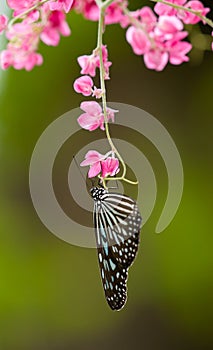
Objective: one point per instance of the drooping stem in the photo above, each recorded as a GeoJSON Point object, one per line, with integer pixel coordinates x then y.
{"type": "Point", "coordinates": [179, 7]}
{"type": "Point", "coordinates": [101, 24]}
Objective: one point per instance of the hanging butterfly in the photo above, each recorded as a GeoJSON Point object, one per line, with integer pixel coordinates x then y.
{"type": "Point", "coordinates": [117, 223]}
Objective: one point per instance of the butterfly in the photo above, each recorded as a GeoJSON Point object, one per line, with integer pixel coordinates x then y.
{"type": "Point", "coordinates": [117, 223]}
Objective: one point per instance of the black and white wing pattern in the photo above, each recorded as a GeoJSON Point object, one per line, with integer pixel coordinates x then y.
{"type": "Point", "coordinates": [117, 222]}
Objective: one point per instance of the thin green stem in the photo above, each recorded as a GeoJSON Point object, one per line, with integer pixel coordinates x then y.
{"type": "Point", "coordinates": [179, 7]}
{"type": "Point", "coordinates": [23, 14]}
{"type": "Point", "coordinates": [103, 88]}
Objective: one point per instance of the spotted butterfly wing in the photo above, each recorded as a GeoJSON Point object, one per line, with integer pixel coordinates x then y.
{"type": "Point", "coordinates": [117, 222]}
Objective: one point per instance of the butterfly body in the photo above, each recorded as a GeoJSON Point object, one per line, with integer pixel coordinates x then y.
{"type": "Point", "coordinates": [117, 222]}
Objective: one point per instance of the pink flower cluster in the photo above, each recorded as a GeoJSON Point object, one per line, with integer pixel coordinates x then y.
{"type": "Point", "coordinates": [93, 116]}
{"type": "Point", "coordinates": [100, 164]}
{"type": "Point", "coordinates": [160, 39]}
{"type": "Point", "coordinates": [46, 23]}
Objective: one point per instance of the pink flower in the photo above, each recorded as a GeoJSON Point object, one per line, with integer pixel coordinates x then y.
{"type": "Point", "coordinates": [177, 51]}
{"type": "Point", "coordinates": [83, 85]}
{"type": "Point", "coordinates": [110, 167]}
{"type": "Point", "coordinates": [93, 117]}
{"type": "Point", "coordinates": [167, 26]}
{"type": "Point", "coordinates": [190, 18]}
{"type": "Point", "coordinates": [97, 93]}
{"type": "Point", "coordinates": [99, 163]}
{"type": "Point", "coordinates": [114, 14]}
{"type": "Point", "coordinates": [138, 40]}
{"type": "Point", "coordinates": [148, 18]}
{"type": "Point", "coordinates": [89, 63]}
{"type": "Point", "coordinates": [61, 5]}
{"type": "Point", "coordinates": [55, 25]}
{"type": "Point", "coordinates": [156, 59]}
{"type": "Point", "coordinates": [93, 159]}
{"type": "Point", "coordinates": [3, 23]}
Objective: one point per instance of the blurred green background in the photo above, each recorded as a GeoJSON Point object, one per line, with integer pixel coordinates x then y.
{"type": "Point", "coordinates": [50, 292]}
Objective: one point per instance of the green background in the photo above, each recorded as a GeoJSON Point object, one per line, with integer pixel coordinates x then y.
{"type": "Point", "coordinates": [50, 292]}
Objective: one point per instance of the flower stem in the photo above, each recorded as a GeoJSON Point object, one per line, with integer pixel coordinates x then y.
{"type": "Point", "coordinates": [179, 7]}
{"type": "Point", "coordinates": [102, 8]}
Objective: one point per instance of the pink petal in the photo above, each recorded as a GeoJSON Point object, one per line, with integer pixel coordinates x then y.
{"type": "Point", "coordinates": [88, 64]}
{"type": "Point", "coordinates": [169, 24]}
{"type": "Point", "coordinates": [83, 85]}
{"type": "Point", "coordinates": [91, 107]}
{"type": "Point", "coordinates": [3, 23]}
{"type": "Point", "coordinates": [94, 170]}
{"type": "Point", "coordinates": [155, 59]}
{"type": "Point", "coordinates": [109, 166]}
{"type": "Point", "coordinates": [88, 122]}
{"type": "Point", "coordinates": [138, 40]}
{"type": "Point", "coordinates": [92, 157]}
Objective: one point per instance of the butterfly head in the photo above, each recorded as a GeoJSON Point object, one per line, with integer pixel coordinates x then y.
{"type": "Point", "coordinates": [97, 192]}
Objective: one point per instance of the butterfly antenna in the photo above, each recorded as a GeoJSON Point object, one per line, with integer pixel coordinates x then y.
{"type": "Point", "coordinates": [76, 163]}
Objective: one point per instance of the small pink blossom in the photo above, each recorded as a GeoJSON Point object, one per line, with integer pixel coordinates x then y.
{"type": "Point", "coordinates": [89, 63]}
{"type": "Point", "coordinates": [178, 51]}
{"type": "Point", "coordinates": [138, 40]}
{"type": "Point", "coordinates": [83, 85]}
{"type": "Point", "coordinates": [156, 59]}
{"type": "Point", "coordinates": [3, 23]}
{"type": "Point", "coordinates": [114, 13]}
{"type": "Point", "coordinates": [93, 117]}
{"type": "Point", "coordinates": [191, 18]}
{"type": "Point", "coordinates": [55, 25]}
{"type": "Point", "coordinates": [100, 163]}
{"type": "Point", "coordinates": [97, 93]}
{"type": "Point", "coordinates": [110, 167]}
{"type": "Point", "coordinates": [61, 5]}
{"type": "Point", "coordinates": [93, 159]}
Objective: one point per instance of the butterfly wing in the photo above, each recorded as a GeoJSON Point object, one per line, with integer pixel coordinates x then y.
{"type": "Point", "coordinates": [117, 222]}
